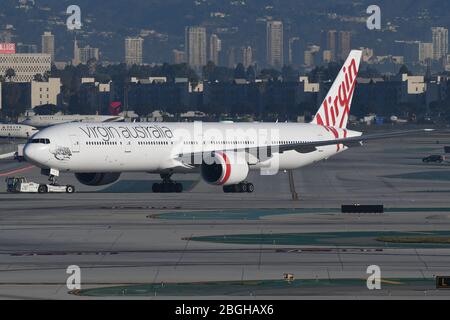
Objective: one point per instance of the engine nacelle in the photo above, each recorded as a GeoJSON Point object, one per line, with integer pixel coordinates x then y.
{"type": "Point", "coordinates": [225, 169]}
{"type": "Point", "coordinates": [97, 179]}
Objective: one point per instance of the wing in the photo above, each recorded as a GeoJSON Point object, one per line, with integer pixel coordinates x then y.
{"type": "Point", "coordinates": [349, 142]}
{"type": "Point", "coordinates": [186, 159]}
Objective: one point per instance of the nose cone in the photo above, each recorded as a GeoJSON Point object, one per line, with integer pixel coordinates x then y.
{"type": "Point", "coordinates": [37, 154]}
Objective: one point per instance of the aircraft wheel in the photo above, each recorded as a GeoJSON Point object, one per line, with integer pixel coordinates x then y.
{"type": "Point", "coordinates": [243, 188]}
{"type": "Point", "coordinates": [167, 188]}
{"type": "Point", "coordinates": [42, 189]}
{"type": "Point", "coordinates": [70, 189]}
{"type": "Point", "coordinates": [156, 188]}
{"type": "Point", "coordinates": [179, 188]}
{"type": "Point", "coordinates": [250, 188]}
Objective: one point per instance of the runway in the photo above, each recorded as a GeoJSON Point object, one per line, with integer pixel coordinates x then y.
{"type": "Point", "coordinates": [139, 238]}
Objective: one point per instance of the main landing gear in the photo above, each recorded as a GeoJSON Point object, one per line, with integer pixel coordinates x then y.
{"type": "Point", "coordinates": [167, 185]}
{"type": "Point", "coordinates": [243, 187]}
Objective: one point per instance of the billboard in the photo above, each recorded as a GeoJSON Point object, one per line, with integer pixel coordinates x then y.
{"type": "Point", "coordinates": [7, 48]}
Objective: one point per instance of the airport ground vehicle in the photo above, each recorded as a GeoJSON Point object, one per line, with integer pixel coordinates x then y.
{"type": "Point", "coordinates": [21, 185]}
{"type": "Point", "coordinates": [434, 159]}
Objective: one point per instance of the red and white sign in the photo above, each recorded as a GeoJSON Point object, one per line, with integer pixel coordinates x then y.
{"type": "Point", "coordinates": [7, 48]}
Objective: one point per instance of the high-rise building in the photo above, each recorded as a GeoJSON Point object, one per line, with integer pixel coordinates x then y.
{"type": "Point", "coordinates": [327, 56]}
{"type": "Point", "coordinates": [275, 44]}
{"type": "Point", "coordinates": [296, 52]}
{"type": "Point", "coordinates": [332, 44]}
{"type": "Point", "coordinates": [179, 56]}
{"type": "Point", "coordinates": [84, 55]}
{"type": "Point", "coordinates": [309, 59]}
{"type": "Point", "coordinates": [311, 56]}
{"type": "Point", "coordinates": [440, 43]}
{"type": "Point", "coordinates": [425, 52]}
{"type": "Point", "coordinates": [88, 53]}
{"type": "Point", "coordinates": [345, 44]}
{"type": "Point", "coordinates": [231, 57]}
{"type": "Point", "coordinates": [133, 51]}
{"type": "Point", "coordinates": [247, 56]}
{"type": "Point", "coordinates": [48, 44]}
{"type": "Point", "coordinates": [215, 47]}
{"type": "Point", "coordinates": [195, 46]}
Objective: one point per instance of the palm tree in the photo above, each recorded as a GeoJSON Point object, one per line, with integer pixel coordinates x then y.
{"type": "Point", "coordinates": [9, 74]}
{"type": "Point", "coordinates": [38, 77]}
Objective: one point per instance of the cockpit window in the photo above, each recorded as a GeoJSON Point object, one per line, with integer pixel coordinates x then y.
{"type": "Point", "coordinates": [40, 141]}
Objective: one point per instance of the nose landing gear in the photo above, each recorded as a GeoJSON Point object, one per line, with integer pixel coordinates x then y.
{"type": "Point", "coordinates": [243, 187]}
{"type": "Point", "coordinates": [167, 185]}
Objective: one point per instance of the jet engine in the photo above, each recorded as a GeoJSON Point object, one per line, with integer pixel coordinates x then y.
{"type": "Point", "coordinates": [97, 179]}
{"type": "Point", "coordinates": [225, 169]}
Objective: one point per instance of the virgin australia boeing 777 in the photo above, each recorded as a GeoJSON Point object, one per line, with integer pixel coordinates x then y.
{"type": "Point", "coordinates": [224, 153]}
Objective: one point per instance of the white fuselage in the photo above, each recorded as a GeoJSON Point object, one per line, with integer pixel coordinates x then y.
{"type": "Point", "coordinates": [47, 121]}
{"type": "Point", "coordinates": [16, 131]}
{"type": "Point", "coordinates": [156, 147]}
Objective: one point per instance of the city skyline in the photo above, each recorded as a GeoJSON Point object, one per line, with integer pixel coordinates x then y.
{"type": "Point", "coordinates": [160, 45]}
{"type": "Point", "coordinates": [201, 47]}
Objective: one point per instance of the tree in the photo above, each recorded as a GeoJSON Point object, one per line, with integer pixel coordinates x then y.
{"type": "Point", "coordinates": [46, 109]}
{"type": "Point", "coordinates": [209, 70]}
{"type": "Point", "coordinates": [404, 70]}
{"type": "Point", "coordinates": [270, 74]}
{"type": "Point", "coordinates": [15, 101]}
{"type": "Point", "coordinates": [92, 66]}
{"type": "Point", "coordinates": [251, 73]}
{"type": "Point", "coordinates": [370, 73]}
{"type": "Point", "coordinates": [239, 72]}
{"type": "Point", "coordinates": [289, 74]}
{"type": "Point", "coordinates": [38, 78]}
{"type": "Point", "coordinates": [329, 72]}
{"type": "Point", "coordinates": [9, 74]}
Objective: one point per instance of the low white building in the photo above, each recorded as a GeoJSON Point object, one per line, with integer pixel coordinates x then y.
{"type": "Point", "coordinates": [309, 87]}
{"type": "Point", "coordinates": [414, 84]}
{"type": "Point", "coordinates": [45, 92]}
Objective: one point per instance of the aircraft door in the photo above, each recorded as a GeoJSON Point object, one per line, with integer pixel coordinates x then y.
{"type": "Point", "coordinates": [75, 141]}
{"type": "Point", "coordinates": [128, 146]}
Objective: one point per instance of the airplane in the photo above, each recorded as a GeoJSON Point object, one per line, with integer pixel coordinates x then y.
{"type": "Point", "coordinates": [223, 153]}
{"type": "Point", "coordinates": [17, 131]}
{"type": "Point", "coordinates": [47, 121]}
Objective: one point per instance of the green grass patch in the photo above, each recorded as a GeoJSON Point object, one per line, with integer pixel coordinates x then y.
{"type": "Point", "coordinates": [243, 288]}
{"type": "Point", "coordinates": [433, 240]}
{"type": "Point", "coordinates": [332, 239]}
